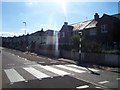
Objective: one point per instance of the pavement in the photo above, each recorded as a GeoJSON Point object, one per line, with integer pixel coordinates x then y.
{"type": "Point", "coordinates": [35, 57]}
{"type": "Point", "coordinates": [25, 70]}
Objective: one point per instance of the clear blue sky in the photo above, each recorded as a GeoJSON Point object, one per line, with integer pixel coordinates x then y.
{"type": "Point", "coordinates": [48, 15]}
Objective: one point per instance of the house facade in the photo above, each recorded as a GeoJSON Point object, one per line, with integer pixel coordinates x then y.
{"type": "Point", "coordinates": [31, 42]}
{"type": "Point", "coordinates": [65, 35]}
{"type": "Point", "coordinates": [100, 31]}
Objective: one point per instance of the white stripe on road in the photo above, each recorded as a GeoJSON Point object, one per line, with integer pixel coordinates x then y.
{"type": "Point", "coordinates": [117, 78]}
{"type": "Point", "coordinates": [36, 73]}
{"type": "Point", "coordinates": [81, 87]}
{"type": "Point", "coordinates": [13, 54]}
{"type": "Point", "coordinates": [53, 62]}
{"type": "Point", "coordinates": [41, 62]}
{"type": "Point", "coordinates": [13, 75]}
{"type": "Point", "coordinates": [97, 87]}
{"type": "Point", "coordinates": [71, 69]}
{"type": "Point", "coordinates": [54, 70]}
{"type": "Point", "coordinates": [82, 67]}
{"type": "Point", "coordinates": [103, 82]}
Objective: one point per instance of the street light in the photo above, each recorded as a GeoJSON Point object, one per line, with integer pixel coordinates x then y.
{"type": "Point", "coordinates": [25, 27]}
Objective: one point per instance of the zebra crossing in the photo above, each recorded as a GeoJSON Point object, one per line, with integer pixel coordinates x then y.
{"type": "Point", "coordinates": [40, 72]}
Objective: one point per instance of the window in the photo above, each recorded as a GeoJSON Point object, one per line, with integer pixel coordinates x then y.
{"type": "Point", "coordinates": [104, 28]}
{"type": "Point", "coordinates": [92, 32]}
{"type": "Point", "coordinates": [63, 34]}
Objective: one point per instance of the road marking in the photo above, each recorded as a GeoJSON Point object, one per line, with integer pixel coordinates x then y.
{"type": "Point", "coordinates": [27, 63]}
{"type": "Point", "coordinates": [13, 54]}
{"type": "Point", "coordinates": [53, 62]}
{"type": "Point", "coordinates": [81, 87]}
{"type": "Point", "coordinates": [90, 82]}
{"type": "Point", "coordinates": [117, 78]}
{"type": "Point", "coordinates": [97, 87]}
{"type": "Point", "coordinates": [38, 56]}
{"type": "Point", "coordinates": [13, 75]}
{"type": "Point", "coordinates": [36, 73]}
{"type": "Point", "coordinates": [41, 62]}
{"type": "Point", "coordinates": [49, 59]}
{"type": "Point", "coordinates": [71, 69]}
{"type": "Point", "coordinates": [103, 82]}
{"type": "Point", "coordinates": [25, 59]}
{"type": "Point", "coordinates": [82, 67]}
{"type": "Point", "coordinates": [54, 70]}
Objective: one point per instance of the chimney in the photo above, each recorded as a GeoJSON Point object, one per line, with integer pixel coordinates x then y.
{"type": "Point", "coordinates": [96, 16]}
{"type": "Point", "coordinates": [65, 23]}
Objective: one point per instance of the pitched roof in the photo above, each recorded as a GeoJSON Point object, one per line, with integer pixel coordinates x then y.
{"type": "Point", "coordinates": [92, 24]}
{"type": "Point", "coordinates": [117, 15]}
{"type": "Point", "coordinates": [80, 25]}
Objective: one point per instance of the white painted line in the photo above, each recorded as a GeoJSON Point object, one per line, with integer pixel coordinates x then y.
{"type": "Point", "coordinates": [71, 69]}
{"type": "Point", "coordinates": [81, 87]}
{"type": "Point", "coordinates": [36, 73]}
{"type": "Point", "coordinates": [97, 87]}
{"type": "Point", "coordinates": [27, 63]}
{"type": "Point", "coordinates": [13, 54]}
{"type": "Point", "coordinates": [25, 59]}
{"type": "Point", "coordinates": [49, 59]}
{"type": "Point", "coordinates": [13, 75]}
{"type": "Point", "coordinates": [103, 82]}
{"type": "Point", "coordinates": [54, 70]}
{"type": "Point", "coordinates": [82, 67]}
{"type": "Point", "coordinates": [22, 58]}
{"type": "Point", "coordinates": [117, 78]}
{"type": "Point", "coordinates": [41, 62]}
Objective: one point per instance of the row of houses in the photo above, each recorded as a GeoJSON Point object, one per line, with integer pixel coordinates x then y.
{"type": "Point", "coordinates": [99, 33]}
{"type": "Point", "coordinates": [32, 42]}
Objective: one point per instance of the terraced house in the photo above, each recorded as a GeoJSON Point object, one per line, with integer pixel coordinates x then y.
{"type": "Point", "coordinates": [100, 32]}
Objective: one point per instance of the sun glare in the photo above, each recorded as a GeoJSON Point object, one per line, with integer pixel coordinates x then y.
{"type": "Point", "coordinates": [62, 4]}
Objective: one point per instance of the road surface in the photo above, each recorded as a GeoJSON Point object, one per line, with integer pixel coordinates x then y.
{"type": "Point", "coordinates": [24, 70]}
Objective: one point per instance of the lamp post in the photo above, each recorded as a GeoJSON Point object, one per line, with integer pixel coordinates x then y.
{"type": "Point", "coordinates": [25, 40]}
{"type": "Point", "coordinates": [25, 27]}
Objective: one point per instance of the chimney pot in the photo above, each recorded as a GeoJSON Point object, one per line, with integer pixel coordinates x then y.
{"type": "Point", "coordinates": [65, 23]}
{"type": "Point", "coordinates": [96, 16]}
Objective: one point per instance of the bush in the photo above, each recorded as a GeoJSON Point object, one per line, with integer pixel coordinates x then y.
{"type": "Point", "coordinates": [111, 52]}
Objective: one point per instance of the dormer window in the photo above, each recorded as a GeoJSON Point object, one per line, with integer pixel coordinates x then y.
{"type": "Point", "coordinates": [104, 28]}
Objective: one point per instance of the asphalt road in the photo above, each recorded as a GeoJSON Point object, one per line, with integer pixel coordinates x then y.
{"type": "Point", "coordinates": [24, 70]}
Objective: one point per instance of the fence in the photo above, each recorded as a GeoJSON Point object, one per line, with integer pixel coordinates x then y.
{"type": "Point", "coordinates": [49, 53]}
{"type": "Point", "coordinates": [94, 58]}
